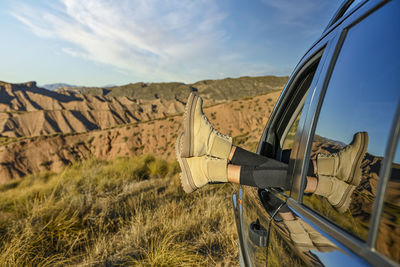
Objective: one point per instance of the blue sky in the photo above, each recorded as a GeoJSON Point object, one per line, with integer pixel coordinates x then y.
{"type": "Point", "coordinates": [102, 42]}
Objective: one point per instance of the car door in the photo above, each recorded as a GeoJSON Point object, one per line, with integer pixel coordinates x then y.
{"type": "Point", "coordinates": [296, 112]}
{"type": "Point", "coordinates": [357, 92]}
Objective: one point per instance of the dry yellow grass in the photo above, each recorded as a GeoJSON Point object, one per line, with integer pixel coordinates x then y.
{"type": "Point", "coordinates": [129, 211]}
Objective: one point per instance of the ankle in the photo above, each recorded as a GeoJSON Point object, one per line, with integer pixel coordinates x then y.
{"type": "Point", "coordinates": [311, 185]}
{"type": "Point", "coordinates": [230, 157]}
{"type": "Point", "coordinates": [324, 186]}
{"type": "Point", "coordinates": [234, 173]}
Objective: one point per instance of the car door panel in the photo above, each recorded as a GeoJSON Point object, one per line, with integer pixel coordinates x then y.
{"type": "Point", "coordinates": [254, 216]}
{"type": "Point", "coordinates": [320, 250]}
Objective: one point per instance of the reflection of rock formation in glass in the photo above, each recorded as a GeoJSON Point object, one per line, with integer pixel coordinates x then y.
{"type": "Point", "coordinates": [388, 241]}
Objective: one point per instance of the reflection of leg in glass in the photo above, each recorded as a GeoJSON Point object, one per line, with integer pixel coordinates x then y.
{"type": "Point", "coordinates": [297, 234]}
{"type": "Point", "coordinates": [339, 173]}
{"type": "Point", "coordinates": [303, 235]}
{"type": "Point", "coordinates": [338, 193]}
{"type": "Point", "coordinates": [345, 164]}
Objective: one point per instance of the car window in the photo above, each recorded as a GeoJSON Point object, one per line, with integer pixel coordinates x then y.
{"type": "Point", "coordinates": [288, 141]}
{"type": "Point", "coordinates": [388, 242]}
{"type": "Point", "coordinates": [354, 122]}
{"type": "Point", "coordinates": [290, 120]}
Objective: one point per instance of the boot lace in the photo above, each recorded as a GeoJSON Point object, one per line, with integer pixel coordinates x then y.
{"type": "Point", "coordinates": [331, 155]}
{"type": "Point", "coordinates": [225, 136]}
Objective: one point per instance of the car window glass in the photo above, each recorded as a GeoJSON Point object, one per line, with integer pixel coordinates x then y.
{"type": "Point", "coordinates": [354, 122]}
{"type": "Point", "coordinates": [288, 142]}
{"type": "Point", "coordinates": [290, 120]}
{"type": "Point", "coordinates": [388, 242]}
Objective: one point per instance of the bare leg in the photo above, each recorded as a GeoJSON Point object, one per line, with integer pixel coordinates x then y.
{"type": "Point", "coordinates": [311, 186]}
{"type": "Point", "coordinates": [314, 161]}
{"type": "Point", "coordinates": [287, 216]}
{"type": "Point", "coordinates": [234, 173]}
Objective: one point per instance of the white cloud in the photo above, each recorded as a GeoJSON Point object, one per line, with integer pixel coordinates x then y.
{"type": "Point", "coordinates": [150, 39]}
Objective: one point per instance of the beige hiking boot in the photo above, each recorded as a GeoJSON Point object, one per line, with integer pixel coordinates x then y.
{"type": "Point", "coordinates": [200, 137]}
{"type": "Point", "coordinates": [305, 237]}
{"type": "Point", "coordinates": [298, 235]}
{"type": "Point", "coordinates": [199, 171]}
{"type": "Point", "coordinates": [336, 191]}
{"type": "Point", "coordinates": [345, 164]}
{"type": "Point", "coordinates": [320, 242]}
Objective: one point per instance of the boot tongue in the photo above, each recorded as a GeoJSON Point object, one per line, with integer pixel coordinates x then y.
{"type": "Point", "coordinates": [217, 170]}
{"type": "Point", "coordinates": [219, 145]}
{"type": "Point", "coordinates": [327, 165]}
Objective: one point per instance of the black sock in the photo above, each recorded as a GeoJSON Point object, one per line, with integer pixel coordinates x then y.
{"type": "Point", "coordinates": [310, 171]}
{"type": "Point", "coordinates": [247, 158]}
{"type": "Point", "coordinates": [263, 177]}
{"type": "Point", "coordinates": [284, 208]}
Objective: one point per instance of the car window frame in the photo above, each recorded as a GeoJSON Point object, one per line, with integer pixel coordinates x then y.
{"type": "Point", "coordinates": [343, 12]}
{"type": "Point", "coordinates": [284, 102]}
{"type": "Point", "coordinates": [286, 106]}
{"type": "Point", "coordinates": [365, 250]}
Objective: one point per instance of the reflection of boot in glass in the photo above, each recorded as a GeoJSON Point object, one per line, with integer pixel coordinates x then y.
{"type": "Point", "coordinates": [196, 171]}
{"type": "Point", "coordinates": [345, 164]}
{"type": "Point", "coordinates": [336, 191]}
{"type": "Point", "coordinates": [321, 242]}
{"type": "Point", "coordinates": [298, 235]}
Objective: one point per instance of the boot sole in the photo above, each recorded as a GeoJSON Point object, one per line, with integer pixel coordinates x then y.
{"type": "Point", "coordinates": [355, 173]}
{"type": "Point", "coordinates": [188, 122]}
{"type": "Point", "coordinates": [344, 203]}
{"type": "Point", "coordinates": [185, 176]}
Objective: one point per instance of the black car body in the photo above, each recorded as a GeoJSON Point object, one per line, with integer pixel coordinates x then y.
{"type": "Point", "coordinates": [348, 81]}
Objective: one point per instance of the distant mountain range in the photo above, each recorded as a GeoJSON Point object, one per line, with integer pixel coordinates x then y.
{"type": "Point", "coordinates": [210, 90]}
{"type": "Point", "coordinates": [54, 86]}
{"type": "Point", "coordinates": [61, 86]}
